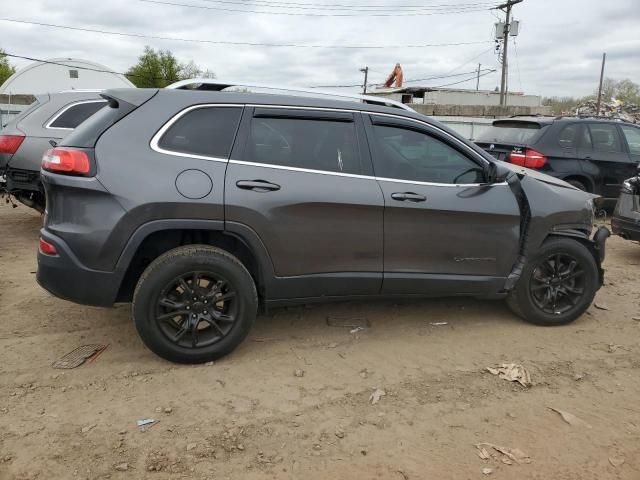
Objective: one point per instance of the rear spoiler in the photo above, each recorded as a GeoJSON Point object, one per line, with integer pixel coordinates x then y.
{"type": "Point", "coordinates": [122, 101]}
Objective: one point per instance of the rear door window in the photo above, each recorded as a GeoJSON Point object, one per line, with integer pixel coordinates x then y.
{"type": "Point", "coordinates": [202, 132]}
{"type": "Point", "coordinates": [511, 132]}
{"type": "Point", "coordinates": [605, 138]}
{"type": "Point", "coordinates": [632, 134]}
{"type": "Point", "coordinates": [569, 136]}
{"type": "Point", "coordinates": [327, 145]}
{"type": "Point", "coordinates": [74, 115]}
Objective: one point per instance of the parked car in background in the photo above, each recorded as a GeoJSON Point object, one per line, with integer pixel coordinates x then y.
{"type": "Point", "coordinates": [210, 203]}
{"type": "Point", "coordinates": [626, 215]}
{"type": "Point", "coordinates": [593, 154]}
{"type": "Point", "coordinates": [25, 138]}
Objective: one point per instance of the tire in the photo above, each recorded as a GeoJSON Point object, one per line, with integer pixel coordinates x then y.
{"type": "Point", "coordinates": [194, 304]}
{"type": "Point", "coordinates": [528, 298]}
{"type": "Point", "coordinates": [578, 184]}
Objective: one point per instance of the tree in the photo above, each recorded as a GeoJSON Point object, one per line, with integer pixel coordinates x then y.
{"type": "Point", "coordinates": [628, 91]}
{"type": "Point", "coordinates": [161, 68]}
{"type": "Point", "coordinates": [6, 69]}
{"type": "Point", "coordinates": [625, 90]}
{"type": "Point", "coordinates": [154, 69]}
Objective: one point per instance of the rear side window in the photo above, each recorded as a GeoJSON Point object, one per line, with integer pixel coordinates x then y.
{"type": "Point", "coordinates": [511, 132]}
{"type": "Point", "coordinates": [302, 143]}
{"type": "Point", "coordinates": [632, 135]}
{"type": "Point", "coordinates": [74, 115]}
{"type": "Point", "coordinates": [604, 138]}
{"type": "Point", "coordinates": [569, 136]}
{"type": "Point", "coordinates": [206, 131]}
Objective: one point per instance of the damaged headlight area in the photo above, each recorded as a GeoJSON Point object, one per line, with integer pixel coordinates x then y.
{"type": "Point", "coordinates": [631, 186]}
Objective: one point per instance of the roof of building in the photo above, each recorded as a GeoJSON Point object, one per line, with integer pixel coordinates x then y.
{"type": "Point", "coordinates": [53, 75]}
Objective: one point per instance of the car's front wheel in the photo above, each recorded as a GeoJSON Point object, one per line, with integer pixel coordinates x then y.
{"type": "Point", "coordinates": [194, 304]}
{"type": "Point", "coordinates": [557, 284]}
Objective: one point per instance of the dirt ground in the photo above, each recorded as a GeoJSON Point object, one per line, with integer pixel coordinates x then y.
{"type": "Point", "coordinates": [250, 416]}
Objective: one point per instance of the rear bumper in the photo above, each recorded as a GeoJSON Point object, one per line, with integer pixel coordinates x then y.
{"type": "Point", "coordinates": [626, 217]}
{"type": "Point", "coordinates": [626, 228]}
{"type": "Point", "coordinates": [21, 179]}
{"type": "Point", "coordinates": [64, 276]}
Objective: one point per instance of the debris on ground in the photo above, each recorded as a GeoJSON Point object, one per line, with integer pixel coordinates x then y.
{"type": "Point", "coordinates": [612, 347]}
{"type": "Point", "coordinates": [349, 322]}
{"type": "Point", "coordinates": [628, 112]}
{"type": "Point", "coordinates": [510, 455]}
{"type": "Point", "coordinates": [122, 467]}
{"type": "Point", "coordinates": [339, 432]}
{"type": "Point", "coordinates": [570, 418]}
{"type": "Point", "coordinates": [438, 324]}
{"type": "Point", "coordinates": [637, 319]}
{"type": "Point", "coordinates": [376, 395]}
{"type": "Point", "coordinates": [356, 330]}
{"type": "Point", "coordinates": [512, 372]}
{"type": "Point", "coordinates": [145, 421]}
{"type": "Point", "coordinates": [88, 428]}
{"type": "Point", "coordinates": [77, 357]}
{"type": "Point", "coordinates": [168, 410]}
{"type": "Point", "coordinates": [616, 461]}
{"type": "Point", "coordinates": [191, 446]}
{"type": "Point", "coordinates": [487, 471]}
{"type": "Point", "coordinates": [600, 306]}
{"type": "Point", "coordinates": [298, 373]}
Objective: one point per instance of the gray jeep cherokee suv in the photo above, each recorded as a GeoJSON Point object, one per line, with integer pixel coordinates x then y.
{"type": "Point", "coordinates": [199, 206]}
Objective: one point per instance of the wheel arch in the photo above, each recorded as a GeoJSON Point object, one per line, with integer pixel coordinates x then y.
{"type": "Point", "coordinates": [585, 180]}
{"type": "Point", "coordinates": [155, 238]}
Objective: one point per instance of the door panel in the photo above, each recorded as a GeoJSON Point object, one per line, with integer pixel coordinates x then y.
{"type": "Point", "coordinates": [322, 228]}
{"type": "Point", "coordinates": [605, 159]}
{"type": "Point", "coordinates": [444, 233]}
{"type": "Point", "coordinates": [459, 230]}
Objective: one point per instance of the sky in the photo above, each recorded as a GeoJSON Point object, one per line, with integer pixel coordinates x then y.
{"type": "Point", "coordinates": [557, 53]}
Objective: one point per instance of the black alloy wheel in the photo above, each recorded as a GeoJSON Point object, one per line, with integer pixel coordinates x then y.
{"type": "Point", "coordinates": [197, 309]}
{"type": "Point", "coordinates": [557, 284]}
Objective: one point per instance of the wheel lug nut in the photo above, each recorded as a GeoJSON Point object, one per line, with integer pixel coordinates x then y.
{"type": "Point", "coordinates": [205, 302]}
{"type": "Point", "coordinates": [205, 312]}
{"type": "Point", "coordinates": [188, 308]}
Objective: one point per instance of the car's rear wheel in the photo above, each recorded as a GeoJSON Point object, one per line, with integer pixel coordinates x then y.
{"type": "Point", "coordinates": [578, 184]}
{"type": "Point", "coordinates": [557, 285]}
{"type": "Point", "coordinates": [194, 304]}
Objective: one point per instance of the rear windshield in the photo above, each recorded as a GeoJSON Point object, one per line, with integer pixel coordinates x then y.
{"type": "Point", "coordinates": [511, 132]}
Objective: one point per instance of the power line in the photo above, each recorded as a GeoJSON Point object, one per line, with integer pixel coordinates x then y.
{"type": "Point", "coordinates": [351, 7]}
{"type": "Point", "coordinates": [449, 76]}
{"type": "Point", "coordinates": [76, 67]}
{"type": "Point", "coordinates": [222, 42]}
{"type": "Point", "coordinates": [422, 14]}
{"type": "Point", "coordinates": [463, 81]}
{"type": "Point", "coordinates": [434, 77]}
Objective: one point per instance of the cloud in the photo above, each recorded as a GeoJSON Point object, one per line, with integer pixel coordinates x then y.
{"type": "Point", "coordinates": [557, 52]}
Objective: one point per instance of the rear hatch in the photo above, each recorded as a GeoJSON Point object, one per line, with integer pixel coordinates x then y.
{"type": "Point", "coordinates": [509, 135]}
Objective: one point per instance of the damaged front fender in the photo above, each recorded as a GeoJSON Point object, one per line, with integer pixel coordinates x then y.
{"type": "Point", "coordinates": [551, 207]}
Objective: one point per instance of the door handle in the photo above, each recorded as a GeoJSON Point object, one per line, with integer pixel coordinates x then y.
{"type": "Point", "coordinates": [257, 185]}
{"type": "Point", "coordinates": [408, 197]}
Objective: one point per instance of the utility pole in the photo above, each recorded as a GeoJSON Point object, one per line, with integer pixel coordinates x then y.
{"type": "Point", "coordinates": [365, 70]}
{"type": "Point", "coordinates": [604, 57]}
{"type": "Point", "coordinates": [505, 63]}
{"type": "Point", "coordinates": [478, 79]}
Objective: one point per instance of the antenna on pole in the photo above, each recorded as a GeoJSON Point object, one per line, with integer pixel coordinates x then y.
{"type": "Point", "coordinates": [604, 58]}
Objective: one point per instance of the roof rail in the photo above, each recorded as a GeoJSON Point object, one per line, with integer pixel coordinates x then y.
{"type": "Point", "coordinates": [218, 85]}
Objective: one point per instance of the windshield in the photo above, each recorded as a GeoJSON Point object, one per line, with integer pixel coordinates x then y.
{"type": "Point", "coordinates": [511, 132]}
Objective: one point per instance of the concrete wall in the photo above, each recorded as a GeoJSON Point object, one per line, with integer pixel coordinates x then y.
{"type": "Point", "coordinates": [490, 111]}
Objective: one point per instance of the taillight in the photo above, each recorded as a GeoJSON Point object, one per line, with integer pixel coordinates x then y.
{"type": "Point", "coordinates": [530, 158]}
{"type": "Point", "coordinates": [47, 248]}
{"type": "Point", "coordinates": [69, 161]}
{"type": "Point", "coordinates": [10, 143]}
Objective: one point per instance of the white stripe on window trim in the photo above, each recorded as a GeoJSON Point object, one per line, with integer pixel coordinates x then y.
{"type": "Point", "coordinates": [156, 138]}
